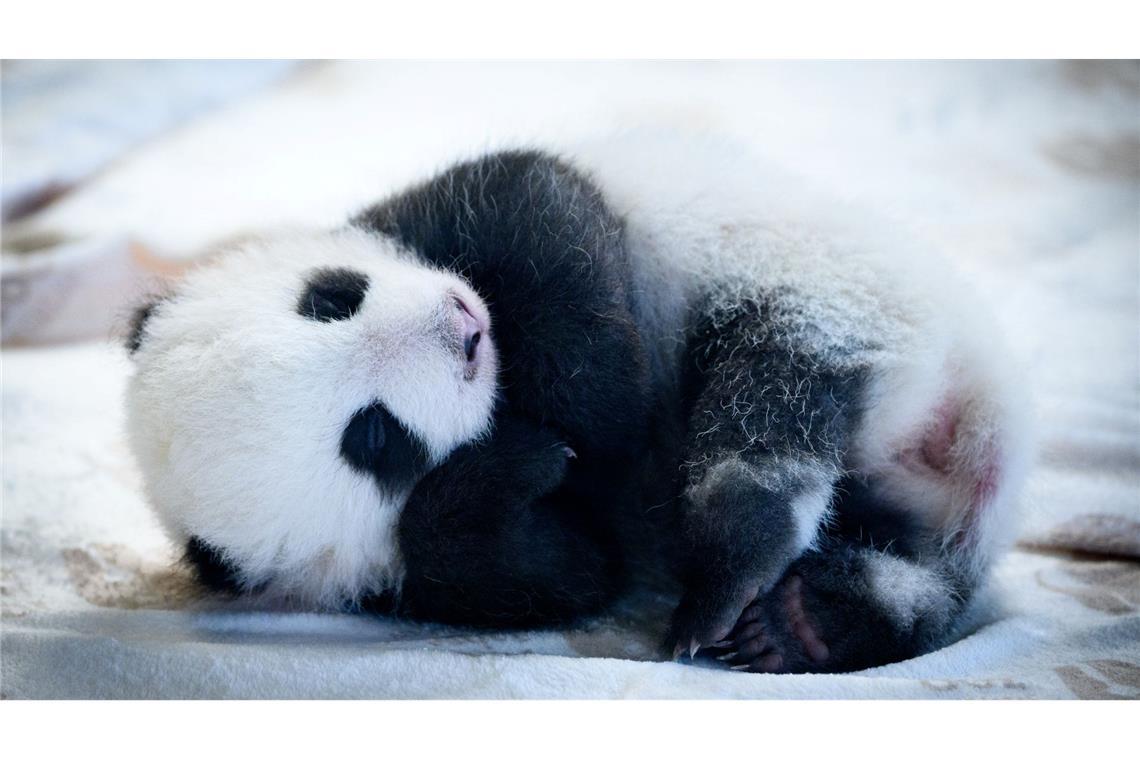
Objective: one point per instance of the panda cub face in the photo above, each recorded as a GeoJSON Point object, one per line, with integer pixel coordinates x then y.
{"type": "Point", "coordinates": [289, 396]}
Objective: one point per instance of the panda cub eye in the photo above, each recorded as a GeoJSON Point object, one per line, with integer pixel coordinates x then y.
{"type": "Point", "coordinates": [376, 443]}
{"type": "Point", "coordinates": [332, 294]}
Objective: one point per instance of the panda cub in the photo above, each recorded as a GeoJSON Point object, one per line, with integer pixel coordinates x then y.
{"type": "Point", "coordinates": [499, 396]}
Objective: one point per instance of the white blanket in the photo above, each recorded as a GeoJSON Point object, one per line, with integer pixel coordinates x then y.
{"type": "Point", "coordinates": [1029, 174]}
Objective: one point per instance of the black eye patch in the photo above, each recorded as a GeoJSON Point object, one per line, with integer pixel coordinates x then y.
{"type": "Point", "coordinates": [377, 443]}
{"type": "Point", "coordinates": [332, 293]}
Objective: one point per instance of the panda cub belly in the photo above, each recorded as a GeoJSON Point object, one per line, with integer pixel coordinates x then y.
{"type": "Point", "coordinates": [463, 407]}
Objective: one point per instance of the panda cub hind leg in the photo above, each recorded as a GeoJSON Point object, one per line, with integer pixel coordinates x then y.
{"type": "Point", "coordinates": [908, 542]}
{"type": "Point", "coordinates": [875, 589]}
{"type": "Point", "coordinates": [766, 430]}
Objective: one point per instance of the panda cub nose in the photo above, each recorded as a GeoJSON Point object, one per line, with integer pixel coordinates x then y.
{"type": "Point", "coordinates": [470, 342]}
{"type": "Point", "coordinates": [471, 331]}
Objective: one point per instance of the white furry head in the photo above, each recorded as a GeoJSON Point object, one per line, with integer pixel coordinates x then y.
{"type": "Point", "coordinates": [249, 377]}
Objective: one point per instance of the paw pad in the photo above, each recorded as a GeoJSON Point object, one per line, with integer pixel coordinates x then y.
{"type": "Point", "coordinates": [774, 634]}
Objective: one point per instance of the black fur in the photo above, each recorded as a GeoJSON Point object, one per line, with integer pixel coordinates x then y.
{"type": "Point", "coordinates": [491, 539]}
{"type": "Point", "coordinates": [376, 443]}
{"type": "Point", "coordinates": [858, 631]}
{"type": "Point", "coordinates": [746, 382]}
{"type": "Point", "coordinates": [211, 568]}
{"type": "Point", "coordinates": [860, 518]}
{"type": "Point", "coordinates": [136, 328]}
{"type": "Point", "coordinates": [332, 294]}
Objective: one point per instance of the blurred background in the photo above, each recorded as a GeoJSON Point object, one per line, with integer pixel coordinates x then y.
{"type": "Point", "coordinates": [137, 163]}
{"type": "Point", "coordinates": [118, 174]}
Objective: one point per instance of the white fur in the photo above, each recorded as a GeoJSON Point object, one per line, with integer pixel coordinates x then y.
{"type": "Point", "coordinates": [238, 405]}
{"type": "Point", "coordinates": [905, 590]}
{"type": "Point", "coordinates": [810, 511]}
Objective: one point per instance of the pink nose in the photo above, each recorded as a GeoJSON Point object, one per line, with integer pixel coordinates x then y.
{"type": "Point", "coordinates": [472, 331]}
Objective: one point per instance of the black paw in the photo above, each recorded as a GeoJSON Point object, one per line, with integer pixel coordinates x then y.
{"type": "Point", "coordinates": [707, 614]}
{"type": "Point", "coordinates": [777, 634]}
{"type": "Point", "coordinates": [491, 536]}
{"type": "Point", "coordinates": [820, 618]}
{"type": "Point", "coordinates": [528, 461]}
{"type": "Point", "coordinates": [741, 536]}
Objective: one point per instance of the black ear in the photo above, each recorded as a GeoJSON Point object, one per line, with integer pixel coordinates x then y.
{"type": "Point", "coordinates": [211, 567]}
{"type": "Point", "coordinates": [139, 318]}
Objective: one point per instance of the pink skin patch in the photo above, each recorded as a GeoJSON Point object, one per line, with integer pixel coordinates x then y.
{"type": "Point", "coordinates": [801, 627]}
{"type": "Point", "coordinates": [939, 441]}
{"type": "Point", "coordinates": [933, 454]}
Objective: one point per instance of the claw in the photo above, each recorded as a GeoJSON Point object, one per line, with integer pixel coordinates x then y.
{"type": "Point", "coordinates": [694, 647]}
{"type": "Point", "coordinates": [722, 644]}
{"type": "Point", "coordinates": [678, 651]}
{"type": "Point", "coordinates": [726, 657]}
{"type": "Point", "coordinates": [745, 666]}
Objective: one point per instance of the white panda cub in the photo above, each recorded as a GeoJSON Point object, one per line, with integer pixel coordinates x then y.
{"type": "Point", "coordinates": [485, 397]}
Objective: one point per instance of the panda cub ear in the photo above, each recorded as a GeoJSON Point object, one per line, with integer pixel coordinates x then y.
{"type": "Point", "coordinates": [136, 328]}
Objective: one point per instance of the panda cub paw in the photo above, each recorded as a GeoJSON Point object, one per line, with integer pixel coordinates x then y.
{"type": "Point", "coordinates": [826, 616]}
{"type": "Point", "coordinates": [535, 459]}
{"type": "Point", "coordinates": [777, 634]}
{"type": "Point", "coordinates": [707, 613]}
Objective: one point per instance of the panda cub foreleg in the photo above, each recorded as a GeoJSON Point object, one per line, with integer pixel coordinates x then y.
{"type": "Point", "coordinates": [494, 538]}
{"type": "Point", "coordinates": [766, 429]}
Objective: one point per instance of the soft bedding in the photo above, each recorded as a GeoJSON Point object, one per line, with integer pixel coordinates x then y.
{"type": "Point", "coordinates": [1027, 174]}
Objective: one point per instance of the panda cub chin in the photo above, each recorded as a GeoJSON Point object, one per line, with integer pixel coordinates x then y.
{"type": "Point", "coordinates": [503, 395]}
